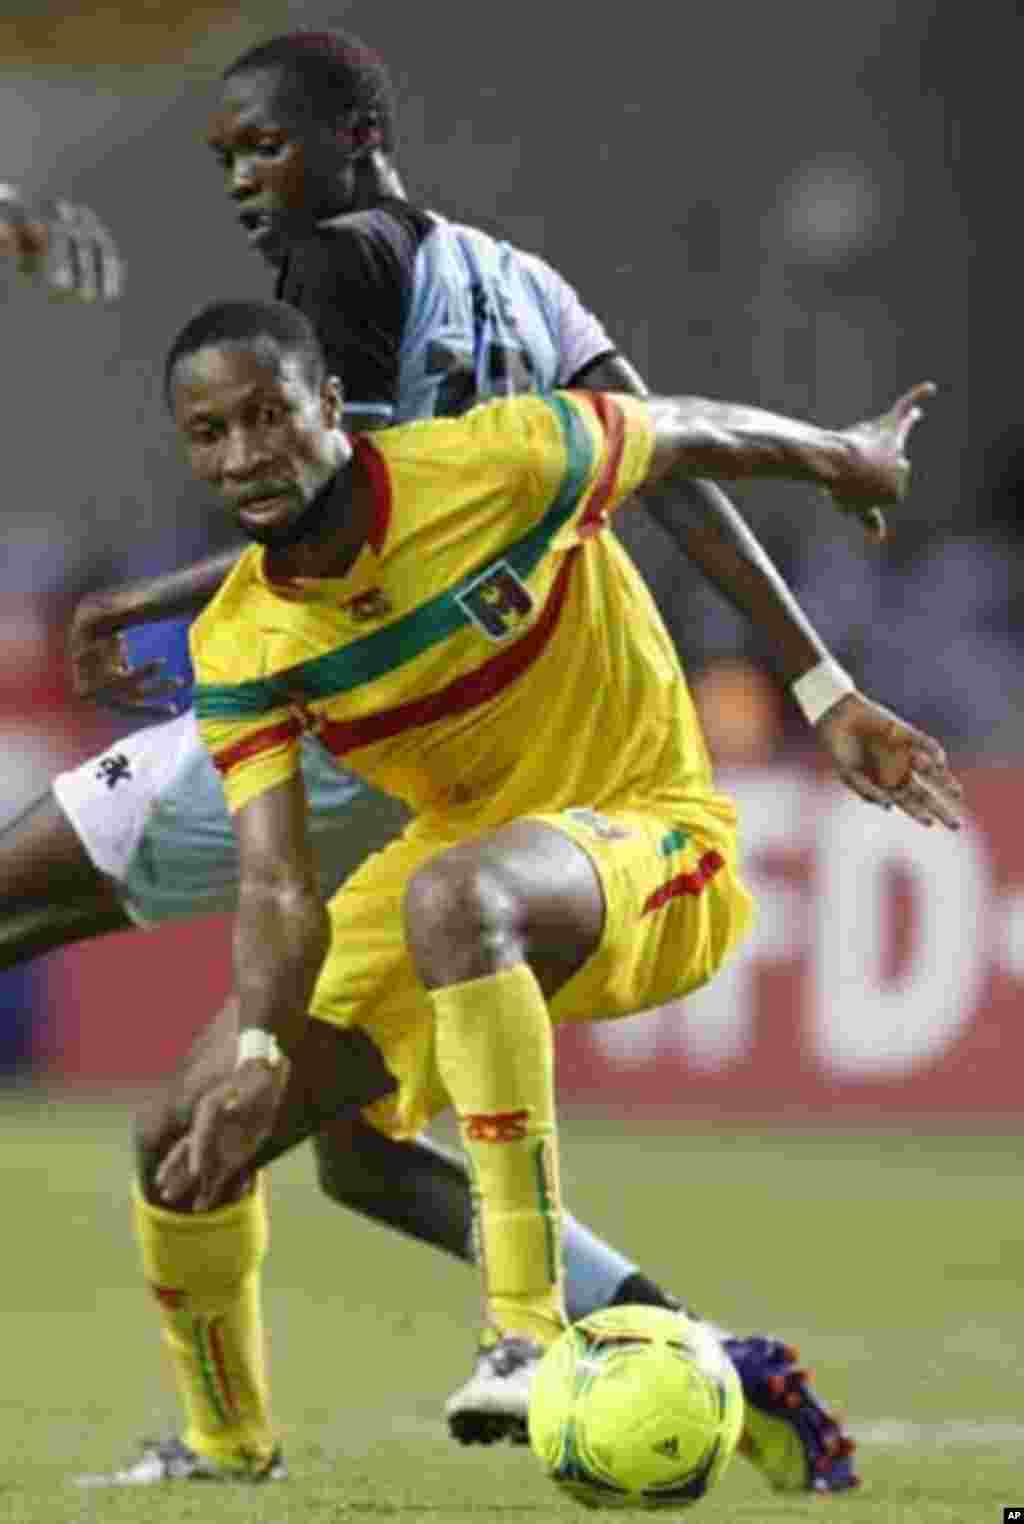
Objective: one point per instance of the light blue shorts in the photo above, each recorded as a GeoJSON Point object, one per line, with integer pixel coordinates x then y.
{"type": "Point", "coordinates": [151, 814]}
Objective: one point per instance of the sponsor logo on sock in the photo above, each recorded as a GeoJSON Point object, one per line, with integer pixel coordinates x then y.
{"type": "Point", "coordinates": [495, 1126]}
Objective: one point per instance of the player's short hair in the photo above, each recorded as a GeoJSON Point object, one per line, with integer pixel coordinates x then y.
{"type": "Point", "coordinates": [247, 322]}
{"type": "Point", "coordinates": [335, 73]}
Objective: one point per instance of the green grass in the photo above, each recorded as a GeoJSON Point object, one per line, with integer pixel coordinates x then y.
{"type": "Point", "coordinates": [897, 1263]}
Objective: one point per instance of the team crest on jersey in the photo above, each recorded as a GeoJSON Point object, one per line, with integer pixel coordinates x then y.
{"type": "Point", "coordinates": [497, 602]}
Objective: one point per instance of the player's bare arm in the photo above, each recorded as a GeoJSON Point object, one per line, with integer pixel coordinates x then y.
{"type": "Point", "coordinates": [97, 655]}
{"type": "Point", "coordinates": [64, 247]}
{"type": "Point", "coordinates": [281, 936]}
{"type": "Point", "coordinates": [876, 754]}
{"type": "Point", "coordinates": [864, 468]}
{"type": "Point", "coordinates": [711, 532]}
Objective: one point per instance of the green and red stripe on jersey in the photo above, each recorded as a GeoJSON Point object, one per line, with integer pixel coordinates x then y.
{"type": "Point", "coordinates": [381, 653]}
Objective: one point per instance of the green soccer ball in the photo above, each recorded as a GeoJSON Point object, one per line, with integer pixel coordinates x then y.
{"type": "Point", "coordinates": [635, 1407]}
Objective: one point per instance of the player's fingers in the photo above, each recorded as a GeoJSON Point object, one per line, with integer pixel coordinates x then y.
{"type": "Point", "coordinates": [924, 801]}
{"type": "Point", "coordinates": [83, 261]}
{"type": "Point", "coordinates": [102, 268]}
{"type": "Point", "coordinates": [160, 685]}
{"type": "Point", "coordinates": [869, 791]}
{"type": "Point", "coordinates": [150, 677]}
{"type": "Point", "coordinates": [172, 1178]}
{"type": "Point", "coordinates": [930, 759]}
{"type": "Point", "coordinates": [908, 804]}
{"type": "Point", "coordinates": [209, 1194]}
{"type": "Point", "coordinates": [202, 1138]}
{"type": "Point", "coordinates": [940, 798]}
{"type": "Point", "coordinates": [911, 401]}
{"type": "Point", "coordinates": [873, 520]}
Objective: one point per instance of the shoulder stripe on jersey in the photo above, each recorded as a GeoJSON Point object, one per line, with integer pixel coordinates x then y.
{"type": "Point", "coordinates": [380, 482]}
{"type": "Point", "coordinates": [613, 422]}
{"type": "Point", "coordinates": [467, 692]}
{"type": "Point", "coordinates": [256, 743]}
{"type": "Point", "coordinates": [364, 661]}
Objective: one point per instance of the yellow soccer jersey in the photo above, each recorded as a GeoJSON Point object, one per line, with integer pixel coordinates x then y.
{"type": "Point", "coordinates": [491, 653]}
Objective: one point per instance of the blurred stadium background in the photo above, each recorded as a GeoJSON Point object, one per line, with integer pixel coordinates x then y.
{"type": "Point", "coordinates": [795, 204]}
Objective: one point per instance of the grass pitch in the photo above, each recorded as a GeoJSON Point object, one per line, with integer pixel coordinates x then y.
{"type": "Point", "coordinates": [895, 1262]}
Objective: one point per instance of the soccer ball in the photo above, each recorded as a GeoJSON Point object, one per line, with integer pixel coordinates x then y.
{"type": "Point", "coordinates": [635, 1407]}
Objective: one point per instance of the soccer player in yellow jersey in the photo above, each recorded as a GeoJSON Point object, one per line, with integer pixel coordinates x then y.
{"type": "Point", "coordinates": [441, 607]}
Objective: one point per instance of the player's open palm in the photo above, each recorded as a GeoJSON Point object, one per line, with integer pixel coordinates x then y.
{"type": "Point", "coordinates": [101, 672]}
{"type": "Point", "coordinates": [229, 1125]}
{"type": "Point", "coordinates": [876, 472]}
{"type": "Point", "coordinates": [887, 761]}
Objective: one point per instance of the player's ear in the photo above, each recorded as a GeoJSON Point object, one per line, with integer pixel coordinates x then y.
{"type": "Point", "coordinates": [332, 402]}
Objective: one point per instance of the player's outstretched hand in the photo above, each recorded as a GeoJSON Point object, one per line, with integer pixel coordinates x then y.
{"type": "Point", "coordinates": [101, 672]}
{"type": "Point", "coordinates": [876, 472]}
{"type": "Point", "coordinates": [229, 1125]}
{"type": "Point", "coordinates": [63, 246]}
{"type": "Point", "coordinates": [888, 762]}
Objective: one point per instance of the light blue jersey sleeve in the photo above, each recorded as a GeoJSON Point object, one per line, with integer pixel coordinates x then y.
{"type": "Point", "coordinates": [486, 320]}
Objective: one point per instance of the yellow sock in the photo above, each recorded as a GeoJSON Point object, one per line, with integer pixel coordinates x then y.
{"type": "Point", "coordinates": [496, 1059]}
{"type": "Point", "coordinates": [204, 1270]}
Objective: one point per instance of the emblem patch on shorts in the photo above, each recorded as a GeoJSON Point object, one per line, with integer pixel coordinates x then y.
{"type": "Point", "coordinates": [608, 830]}
{"type": "Point", "coordinates": [497, 602]}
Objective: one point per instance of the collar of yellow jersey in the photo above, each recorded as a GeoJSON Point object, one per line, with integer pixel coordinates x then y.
{"type": "Point", "coordinates": [362, 577]}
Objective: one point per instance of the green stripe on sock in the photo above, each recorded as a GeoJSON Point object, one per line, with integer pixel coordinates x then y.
{"type": "Point", "coordinates": [547, 1208]}
{"type": "Point", "coordinates": [207, 1371]}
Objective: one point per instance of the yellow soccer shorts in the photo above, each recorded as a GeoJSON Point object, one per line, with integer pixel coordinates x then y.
{"type": "Point", "coordinates": [674, 909]}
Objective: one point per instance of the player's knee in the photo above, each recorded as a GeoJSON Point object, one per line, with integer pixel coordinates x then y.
{"type": "Point", "coordinates": [463, 906]}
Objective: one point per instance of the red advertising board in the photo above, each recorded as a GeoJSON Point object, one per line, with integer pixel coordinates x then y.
{"type": "Point", "coordinates": [885, 974]}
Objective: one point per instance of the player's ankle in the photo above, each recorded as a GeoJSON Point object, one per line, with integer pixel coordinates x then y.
{"type": "Point", "coordinates": [515, 1319]}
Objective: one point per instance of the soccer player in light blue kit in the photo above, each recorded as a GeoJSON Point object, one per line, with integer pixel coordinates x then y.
{"type": "Point", "coordinates": [421, 317]}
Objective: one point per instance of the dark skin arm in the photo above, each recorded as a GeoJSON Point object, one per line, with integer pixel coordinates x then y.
{"type": "Point", "coordinates": [860, 467]}
{"type": "Point", "coordinates": [281, 929]}
{"type": "Point", "coordinates": [703, 524]}
{"type": "Point", "coordinates": [281, 937]}
{"type": "Point", "coordinates": [877, 755]}
{"type": "Point", "coordinates": [725, 439]}
{"type": "Point", "coordinates": [97, 655]}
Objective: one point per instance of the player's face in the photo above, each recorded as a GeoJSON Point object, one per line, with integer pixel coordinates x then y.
{"type": "Point", "coordinates": [284, 171]}
{"type": "Point", "coordinates": [259, 432]}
